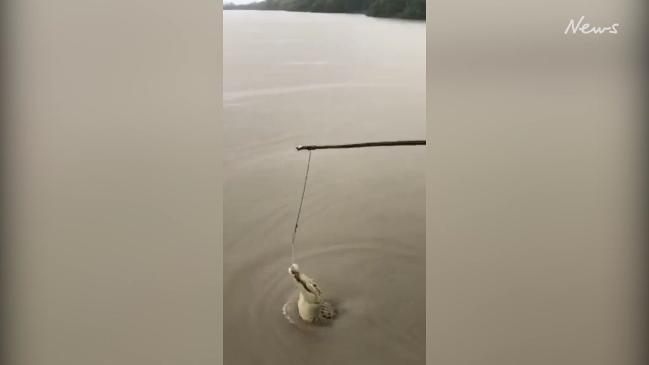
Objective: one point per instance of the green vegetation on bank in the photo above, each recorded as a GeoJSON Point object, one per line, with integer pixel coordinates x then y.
{"type": "Point", "coordinates": [406, 9]}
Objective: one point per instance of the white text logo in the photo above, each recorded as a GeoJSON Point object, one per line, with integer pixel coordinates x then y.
{"type": "Point", "coordinates": [585, 28]}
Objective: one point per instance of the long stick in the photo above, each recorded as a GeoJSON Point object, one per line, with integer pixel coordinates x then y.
{"type": "Point", "coordinates": [359, 145]}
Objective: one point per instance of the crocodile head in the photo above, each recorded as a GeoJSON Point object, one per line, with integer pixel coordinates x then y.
{"type": "Point", "coordinates": [306, 284]}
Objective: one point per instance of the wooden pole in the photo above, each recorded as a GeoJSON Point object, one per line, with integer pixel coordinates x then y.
{"type": "Point", "coordinates": [360, 145]}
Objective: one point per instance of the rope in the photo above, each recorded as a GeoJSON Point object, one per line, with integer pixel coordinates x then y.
{"type": "Point", "coordinates": [299, 211]}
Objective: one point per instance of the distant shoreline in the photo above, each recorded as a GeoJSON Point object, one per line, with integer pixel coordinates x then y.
{"type": "Point", "coordinates": [399, 9]}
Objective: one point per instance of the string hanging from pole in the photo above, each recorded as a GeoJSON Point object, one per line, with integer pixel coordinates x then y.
{"type": "Point", "coordinates": [299, 211]}
{"type": "Point", "coordinates": [310, 148]}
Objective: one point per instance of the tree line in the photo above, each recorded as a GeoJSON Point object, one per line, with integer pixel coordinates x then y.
{"type": "Point", "coordinates": [406, 9]}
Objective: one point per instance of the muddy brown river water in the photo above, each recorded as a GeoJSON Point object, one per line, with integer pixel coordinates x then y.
{"type": "Point", "coordinates": [300, 78]}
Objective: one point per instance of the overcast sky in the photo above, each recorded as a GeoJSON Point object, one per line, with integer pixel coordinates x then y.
{"type": "Point", "coordinates": [239, 1]}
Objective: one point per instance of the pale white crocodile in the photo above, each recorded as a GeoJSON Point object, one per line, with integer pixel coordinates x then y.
{"type": "Point", "coordinates": [310, 305]}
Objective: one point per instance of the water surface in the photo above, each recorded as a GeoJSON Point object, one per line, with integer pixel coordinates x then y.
{"type": "Point", "coordinates": [302, 78]}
